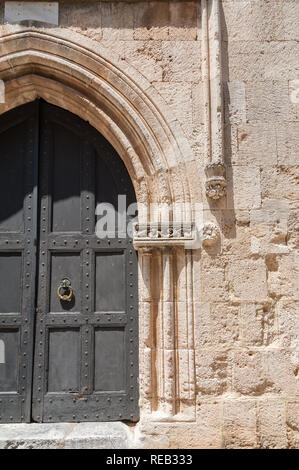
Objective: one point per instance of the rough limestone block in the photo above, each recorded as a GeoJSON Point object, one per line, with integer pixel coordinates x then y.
{"type": "Point", "coordinates": [280, 183]}
{"type": "Point", "coordinates": [294, 100]}
{"type": "Point", "coordinates": [117, 21]}
{"type": "Point", "coordinates": [283, 367]}
{"type": "Point", "coordinates": [151, 20]}
{"type": "Point", "coordinates": [202, 325]}
{"type": "Point", "coordinates": [290, 11]}
{"type": "Point", "coordinates": [225, 324]}
{"type": "Point", "coordinates": [293, 423]}
{"type": "Point", "coordinates": [293, 229]}
{"type": "Point", "coordinates": [239, 423]}
{"type": "Point", "coordinates": [272, 425]}
{"type": "Point", "coordinates": [284, 279]}
{"type": "Point", "coordinates": [268, 101]}
{"type": "Point", "coordinates": [235, 102]}
{"type": "Point", "coordinates": [84, 18]}
{"type": "Point", "coordinates": [269, 229]}
{"type": "Point", "coordinates": [254, 61]}
{"type": "Point", "coordinates": [65, 436]}
{"type": "Point", "coordinates": [250, 373]}
{"type": "Point", "coordinates": [288, 143]}
{"type": "Point", "coordinates": [288, 322]}
{"type": "Point", "coordinates": [214, 286]}
{"type": "Point", "coordinates": [243, 192]}
{"type": "Point", "coordinates": [237, 233]}
{"type": "Point", "coordinates": [183, 21]}
{"type": "Point", "coordinates": [146, 57]}
{"type": "Point", "coordinates": [181, 61]}
{"type": "Point", "coordinates": [252, 19]}
{"type": "Point", "coordinates": [179, 98]}
{"type": "Point", "coordinates": [208, 426]}
{"type": "Point", "coordinates": [256, 145]}
{"type": "Point", "coordinates": [211, 372]}
{"type": "Point", "coordinates": [247, 280]}
{"type": "Point", "coordinates": [257, 324]}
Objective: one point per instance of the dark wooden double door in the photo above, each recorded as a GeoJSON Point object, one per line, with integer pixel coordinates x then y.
{"type": "Point", "coordinates": [68, 299]}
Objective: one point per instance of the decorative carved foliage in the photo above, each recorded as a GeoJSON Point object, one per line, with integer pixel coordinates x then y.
{"type": "Point", "coordinates": [216, 182]}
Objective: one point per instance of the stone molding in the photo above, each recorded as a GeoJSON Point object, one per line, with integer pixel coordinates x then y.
{"type": "Point", "coordinates": [213, 98]}
{"type": "Point", "coordinates": [174, 234]}
{"type": "Point", "coordinates": [159, 234]}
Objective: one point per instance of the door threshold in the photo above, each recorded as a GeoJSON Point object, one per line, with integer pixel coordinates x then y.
{"type": "Point", "coordinates": [112, 435]}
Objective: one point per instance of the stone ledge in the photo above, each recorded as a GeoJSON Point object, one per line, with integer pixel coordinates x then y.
{"type": "Point", "coordinates": [114, 435]}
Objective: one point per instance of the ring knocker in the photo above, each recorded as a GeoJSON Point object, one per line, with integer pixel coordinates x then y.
{"type": "Point", "coordinates": [65, 291]}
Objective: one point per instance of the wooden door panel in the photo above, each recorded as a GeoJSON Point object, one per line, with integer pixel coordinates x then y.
{"type": "Point", "coordinates": [110, 281]}
{"type": "Point", "coordinates": [86, 355]}
{"type": "Point", "coordinates": [66, 181]}
{"type": "Point", "coordinates": [13, 165]}
{"type": "Point", "coordinates": [110, 359]}
{"type": "Point", "coordinates": [9, 375]}
{"type": "Point", "coordinates": [64, 360]}
{"type": "Point", "coordinates": [18, 222]}
{"type": "Point", "coordinates": [11, 282]}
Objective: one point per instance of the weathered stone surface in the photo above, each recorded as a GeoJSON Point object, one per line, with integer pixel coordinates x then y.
{"type": "Point", "coordinates": [239, 423]}
{"type": "Point", "coordinates": [208, 426]}
{"type": "Point", "coordinates": [257, 324]}
{"type": "Point", "coordinates": [243, 191]}
{"type": "Point", "coordinates": [262, 61]}
{"type": "Point", "coordinates": [288, 143]}
{"type": "Point", "coordinates": [288, 322]}
{"type": "Point", "coordinates": [249, 281]}
{"type": "Point", "coordinates": [272, 426]}
{"type": "Point", "coordinates": [250, 373]}
{"type": "Point", "coordinates": [218, 324]}
{"type": "Point", "coordinates": [211, 371]}
{"type": "Point", "coordinates": [283, 367]}
{"type": "Point", "coordinates": [293, 423]}
{"type": "Point", "coordinates": [280, 183]}
{"type": "Point", "coordinates": [65, 436]}
{"type": "Point", "coordinates": [253, 19]}
{"type": "Point", "coordinates": [254, 140]}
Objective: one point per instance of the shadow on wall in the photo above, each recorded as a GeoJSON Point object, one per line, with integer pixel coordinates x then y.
{"type": "Point", "coordinates": [156, 17]}
{"type": "Point", "coordinates": [229, 225]}
{"type": "Point", "coordinates": [223, 209]}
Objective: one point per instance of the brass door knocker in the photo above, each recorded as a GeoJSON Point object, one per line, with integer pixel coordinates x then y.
{"type": "Point", "coordinates": [65, 291]}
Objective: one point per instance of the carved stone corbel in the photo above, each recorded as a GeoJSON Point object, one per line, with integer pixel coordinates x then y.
{"type": "Point", "coordinates": [216, 181]}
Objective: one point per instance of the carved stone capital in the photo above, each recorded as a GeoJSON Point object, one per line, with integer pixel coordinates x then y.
{"type": "Point", "coordinates": [216, 182]}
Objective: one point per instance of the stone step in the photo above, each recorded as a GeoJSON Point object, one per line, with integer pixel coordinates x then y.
{"type": "Point", "coordinates": [115, 435]}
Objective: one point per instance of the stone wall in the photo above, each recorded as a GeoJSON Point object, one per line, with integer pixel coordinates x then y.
{"type": "Point", "coordinates": [240, 295]}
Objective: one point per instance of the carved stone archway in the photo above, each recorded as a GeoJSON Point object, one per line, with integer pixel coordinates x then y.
{"type": "Point", "coordinates": [86, 79]}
